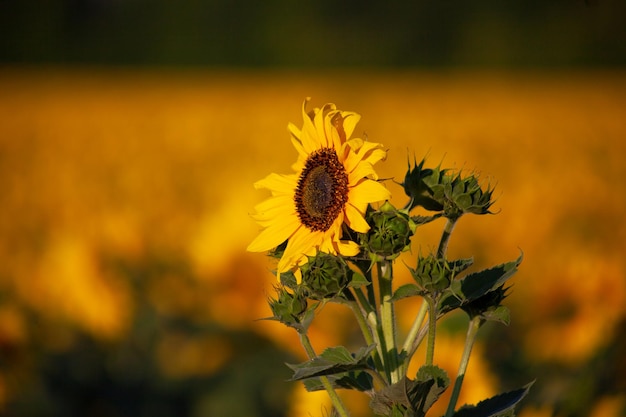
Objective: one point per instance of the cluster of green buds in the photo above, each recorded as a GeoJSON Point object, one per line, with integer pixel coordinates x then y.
{"type": "Point", "coordinates": [434, 275]}
{"type": "Point", "coordinates": [325, 276]}
{"type": "Point", "coordinates": [390, 232]}
{"type": "Point", "coordinates": [443, 190]}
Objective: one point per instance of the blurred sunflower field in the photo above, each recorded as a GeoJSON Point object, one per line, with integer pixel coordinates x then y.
{"type": "Point", "coordinates": [126, 290]}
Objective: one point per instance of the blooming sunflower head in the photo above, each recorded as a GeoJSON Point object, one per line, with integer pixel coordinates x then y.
{"type": "Point", "coordinates": [333, 183]}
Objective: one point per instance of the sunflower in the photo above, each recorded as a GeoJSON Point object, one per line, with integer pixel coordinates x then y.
{"type": "Point", "coordinates": [333, 183]}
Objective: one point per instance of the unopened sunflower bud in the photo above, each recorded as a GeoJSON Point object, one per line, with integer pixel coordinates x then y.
{"type": "Point", "coordinates": [433, 274]}
{"type": "Point", "coordinates": [390, 232]}
{"type": "Point", "coordinates": [467, 196]}
{"type": "Point", "coordinates": [325, 276]}
{"type": "Point", "coordinates": [289, 308]}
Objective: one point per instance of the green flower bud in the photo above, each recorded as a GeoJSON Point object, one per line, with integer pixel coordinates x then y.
{"type": "Point", "coordinates": [466, 196]}
{"type": "Point", "coordinates": [438, 189]}
{"type": "Point", "coordinates": [435, 275]}
{"type": "Point", "coordinates": [432, 274]}
{"type": "Point", "coordinates": [289, 308]}
{"type": "Point", "coordinates": [390, 232]}
{"type": "Point", "coordinates": [325, 276]}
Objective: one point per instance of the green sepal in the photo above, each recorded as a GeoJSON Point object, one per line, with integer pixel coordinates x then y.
{"type": "Point", "coordinates": [416, 187]}
{"type": "Point", "coordinates": [334, 360]}
{"type": "Point", "coordinates": [501, 405]}
{"type": "Point", "coordinates": [288, 279]}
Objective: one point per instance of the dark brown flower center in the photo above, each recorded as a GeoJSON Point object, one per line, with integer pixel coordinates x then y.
{"type": "Point", "coordinates": [322, 190]}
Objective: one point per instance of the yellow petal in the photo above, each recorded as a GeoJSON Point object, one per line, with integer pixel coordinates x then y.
{"type": "Point", "coordinates": [357, 150]}
{"type": "Point", "coordinates": [275, 234]}
{"type": "Point", "coordinates": [274, 209]}
{"type": "Point", "coordinates": [323, 124]}
{"type": "Point", "coordinates": [302, 154]}
{"type": "Point", "coordinates": [348, 248]}
{"type": "Point", "coordinates": [293, 129]}
{"type": "Point", "coordinates": [332, 235]}
{"type": "Point", "coordinates": [362, 170]}
{"type": "Point", "coordinates": [367, 191]}
{"type": "Point", "coordinates": [278, 183]}
{"type": "Point", "coordinates": [303, 242]}
{"type": "Point", "coordinates": [355, 219]}
{"type": "Point", "coordinates": [308, 136]}
{"type": "Point", "coordinates": [350, 120]}
{"type": "Point", "coordinates": [374, 156]}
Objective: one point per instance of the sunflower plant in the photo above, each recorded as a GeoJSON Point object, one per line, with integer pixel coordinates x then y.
{"type": "Point", "coordinates": [336, 238]}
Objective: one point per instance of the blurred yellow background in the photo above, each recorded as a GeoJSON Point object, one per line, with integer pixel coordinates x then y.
{"type": "Point", "coordinates": [125, 288]}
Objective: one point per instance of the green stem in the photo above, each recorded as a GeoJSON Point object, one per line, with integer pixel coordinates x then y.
{"type": "Point", "coordinates": [337, 403]}
{"type": "Point", "coordinates": [368, 329]}
{"type": "Point", "coordinates": [408, 348]}
{"type": "Point", "coordinates": [472, 330]}
{"type": "Point", "coordinates": [445, 237]}
{"type": "Point", "coordinates": [432, 327]}
{"type": "Point", "coordinates": [387, 318]}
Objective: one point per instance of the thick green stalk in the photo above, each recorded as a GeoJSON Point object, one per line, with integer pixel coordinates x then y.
{"type": "Point", "coordinates": [445, 237]}
{"type": "Point", "coordinates": [368, 329]}
{"type": "Point", "coordinates": [472, 330]}
{"type": "Point", "coordinates": [432, 328]}
{"type": "Point", "coordinates": [411, 338]}
{"type": "Point", "coordinates": [387, 318]}
{"type": "Point", "coordinates": [337, 403]}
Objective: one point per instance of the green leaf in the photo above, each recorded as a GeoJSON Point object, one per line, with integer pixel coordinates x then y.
{"type": "Point", "coordinates": [357, 380]}
{"type": "Point", "coordinates": [440, 384]}
{"type": "Point", "coordinates": [499, 406]}
{"type": "Point", "coordinates": [407, 290]}
{"type": "Point", "coordinates": [501, 314]}
{"type": "Point", "coordinates": [417, 396]}
{"type": "Point", "coordinates": [358, 280]}
{"type": "Point", "coordinates": [420, 220]}
{"type": "Point", "coordinates": [459, 265]}
{"type": "Point", "coordinates": [333, 360]}
{"type": "Point", "coordinates": [402, 393]}
{"type": "Point", "coordinates": [477, 284]}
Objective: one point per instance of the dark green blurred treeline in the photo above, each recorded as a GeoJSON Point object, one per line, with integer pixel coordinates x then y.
{"type": "Point", "coordinates": [320, 33]}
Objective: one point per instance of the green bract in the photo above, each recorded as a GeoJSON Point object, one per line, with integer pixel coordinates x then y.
{"type": "Point", "coordinates": [416, 188]}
